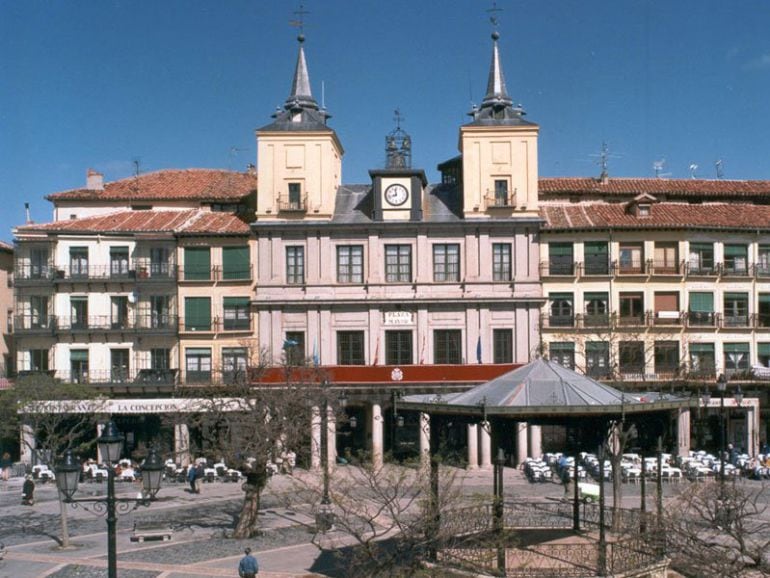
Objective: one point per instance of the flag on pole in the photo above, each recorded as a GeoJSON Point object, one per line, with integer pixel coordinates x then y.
{"type": "Point", "coordinates": [478, 350]}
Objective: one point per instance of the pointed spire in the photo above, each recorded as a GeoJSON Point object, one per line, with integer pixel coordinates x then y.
{"type": "Point", "coordinates": [497, 94]}
{"type": "Point", "coordinates": [301, 96]}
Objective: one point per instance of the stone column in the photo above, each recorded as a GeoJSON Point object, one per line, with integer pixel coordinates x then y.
{"type": "Point", "coordinates": [315, 438]}
{"type": "Point", "coordinates": [485, 444]}
{"type": "Point", "coordinates": [377, 435]}
{"type": "Point", "coordinates": [473, 446]}
{"type": "Point", "coordinates": [683, 432]}
{"type": "Point", "coordinates": [182, 444]}
{"type": "Point", "coordinates": [27, 443]}
{"type": "Point", "coordinates": [424, 440]}
{"type": "Point", "coordinates": [535, 441]}
{"type": "Point", "coordinates": [521, 442]}
{"type": "Point", "coordinates": [99, 430]}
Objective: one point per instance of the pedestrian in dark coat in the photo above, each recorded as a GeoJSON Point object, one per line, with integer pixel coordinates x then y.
{"type": "Point", "coordinates": [192, 477]}
{"type": "Point", "coordinates": [28, 492]}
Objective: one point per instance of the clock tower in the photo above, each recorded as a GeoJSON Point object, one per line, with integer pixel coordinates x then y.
{"type": "Point", "coordinates": [398, 188]}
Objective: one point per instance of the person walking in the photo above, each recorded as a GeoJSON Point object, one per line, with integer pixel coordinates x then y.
{"type": "Point", "coordinates": [192, 476]}
{"type": "Point", "coordinates": [28, 492]}
{"type": "Point", "coordinates": [248, 567]}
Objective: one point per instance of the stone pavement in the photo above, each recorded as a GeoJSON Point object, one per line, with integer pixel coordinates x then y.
{"type": "Point", "coordinates": [198, 547]}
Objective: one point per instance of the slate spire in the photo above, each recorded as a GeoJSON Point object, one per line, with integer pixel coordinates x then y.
{"type": "Point", "coordinates": [301, 96]}
{"type": "Point", "coordinates": [497, 94]}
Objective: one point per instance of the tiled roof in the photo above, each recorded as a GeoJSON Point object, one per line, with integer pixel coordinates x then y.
{"type": "Point", "coordinates": [194, 222]}
{"type": "Point", "coordinates": [633, 187]}
{"type": "Point", "coordinates": [662, 215]}
{"type": "Point", "coordinates": [188, 184]}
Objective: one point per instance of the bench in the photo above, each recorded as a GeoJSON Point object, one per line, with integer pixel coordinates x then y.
{"type": "Point", "coordinates": [151, 531]}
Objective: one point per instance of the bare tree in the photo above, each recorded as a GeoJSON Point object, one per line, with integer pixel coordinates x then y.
{"type": "Point", "coordinates": [714, 530]}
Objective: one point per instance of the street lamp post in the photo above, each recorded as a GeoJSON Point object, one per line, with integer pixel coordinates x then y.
{"type": "Point", "coordinates": [110, 445]}
{"type": "Point", "coordinates": [722, 387]}
{"type": "Point", "coordinates": [325, 515]}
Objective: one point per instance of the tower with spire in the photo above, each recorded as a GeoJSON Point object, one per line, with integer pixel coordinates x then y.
{"type": "Point", "coordinates": [299, 158]}
{"type": "Point", "coordinates": [499, 152]}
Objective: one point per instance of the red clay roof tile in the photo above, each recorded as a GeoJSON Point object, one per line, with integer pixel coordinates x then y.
{"type": "Point", "coordinates": [653, 186]}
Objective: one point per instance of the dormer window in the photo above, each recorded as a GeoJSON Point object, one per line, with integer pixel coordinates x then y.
{"type": "Point", "coordinates": [641, 206]}
{"type": "Point", "coordinates": [643, 210]}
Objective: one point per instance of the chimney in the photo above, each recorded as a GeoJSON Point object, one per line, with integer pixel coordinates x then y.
{"type": "Point", "coordinates": [94, 180]}
{"type": "Point", "coordinates": [27, 215]}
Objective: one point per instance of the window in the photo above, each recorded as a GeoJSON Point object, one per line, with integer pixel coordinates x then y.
{"type": "Point", "coordinates": [197, 313]}
{"type": "Point", "coordinates": [447, 346]}
{"type": "Point", "coordinates": [160, 262]}
{"type": "Point", "coordinates": [562, 310]}
{"type": "Point", "coordinates": [763, 354]}
{"type": "Point", "coordinates": [701, 258]}
{"type": "Point", "coordinates": [78, 261]}
{"type": "Point", "coordinates": [295, 196]}
{"type": "Point", "coordinates": [446, 262]}
{"type": "Point", "coordinates": [763, 315]}
{"type": "Point", "coordinates": [702, 359]}
{"type": "Point", "coordinates": [39, 266]}
{"type": "Point", "coordinates": [666, 259]}
{"type": "Point", "coordinates": [736, 261]}
{"type": "Point", "coordinates": [160, 312]}
{"type": "Point", "coordinates": [236, 313]}
{"type": "Point", "coordinates": [736, 358]}
{"type": "Point", "coordinates": [197, 264]}
{"type": "Point", "coordinates": [350, 264]}
{"type": "Point", "coordinates": [597, 358]}
{"type": "Point", "coordinates": [38, 360]}
{"type": "Point", "coordinates": [398, 263]}
{"type": "Point", "coordinates": [501, 193]}
{"type": "Point", "coordinates": [563, 354]}
{"type": "Point", "coordinates": [79, 312]}
{"type": "Point", "coordinates": [666, 358]}
{"type": "Point", "coordinates": [631, 258]}
{"type": "Point", "coordinates": [560, 259]}
{"type": "Point", "coordinates": [294, 347]}
{"type": "Point", "coordinates": [763, 261]}
{"type": "Point", "coordinates": [350, 348]}
{"type": "Point", "coordinates": [236, 264]}
{"type": "Point", "coordinates": [736, 309]}
{"type": "Point", "coordinates": [597, 311]}
{"type": "Point", "coordinates": [398, 348]}
{"type": "Point", "coordinates": [295, 265]}
{"type": "Point", "coordinates": [198, 365]}
{"type": "Point", "coordinates": [502, 340]}
{"type": "Point", "coordinates": [38, 308]}
{"type": "Point", "coordinates": [666, 308]}
{"type": "Point", "coordinates": [118, 261]}
{"type": "Point", "coordinates": [701, 311]}
{"type": "Point", "coordinates": [631, 308]}
{"type": "Point", "coordinates": [234, 365]}
{"type": "Point", "coordinates": [160, 358]}
{"type": "Point", "coordinates": [119, 369]}
{"type": "Point", "coordinates": [597, 260]}
{"type": "Point", "coordinates": [79, 365]}
{"type": "Point", "coordinates": [119, 312]}
{"type": "Point", "coordinates": [631, 357]}
{"type": "Point", "coordinates": [501, 261]}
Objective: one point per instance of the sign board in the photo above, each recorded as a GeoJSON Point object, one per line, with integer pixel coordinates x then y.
{"type": "Point", "coordinates": [399, 318]}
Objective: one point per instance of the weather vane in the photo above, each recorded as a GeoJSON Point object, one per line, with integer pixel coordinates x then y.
{"type": "Point", "coordinates": [299, 22]}
{"type": "Point", "coordinates": [398, 118]}
{"type": "Point", "coordinates": [493, 15]}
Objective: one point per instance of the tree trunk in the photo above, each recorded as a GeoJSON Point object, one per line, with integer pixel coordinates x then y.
{"type": "Point", "coordinates": [248, 521]}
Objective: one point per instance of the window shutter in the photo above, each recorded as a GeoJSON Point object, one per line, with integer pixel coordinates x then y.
{"type": "Point", "coordinates": [736, 250]}
{"type": "Point", "coordinates": [235, 263]}
{"type": "Point", "coordinates": [197, 313]}
{"type": "Point", "coordinates": [702, 302]}
{"type": "Point", "coordinates": [763, 349]}
{"type": "Point", "coordinates": [736, 347]}
{"type": "Point", "coordinates": [560, 249]}
{"type": "Point", "coordinates": [197, 263]}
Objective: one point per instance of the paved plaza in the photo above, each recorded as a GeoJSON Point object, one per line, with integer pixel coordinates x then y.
{"type": "Point", "coordinates": [199, 546]}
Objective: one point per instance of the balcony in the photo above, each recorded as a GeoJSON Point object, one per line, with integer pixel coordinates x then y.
{"type": "Point", "coordinates": [33, 275]}
{"type": "Point", "coordinates": [558, 321]}
{"type": "Point", "coordinates": [89, 273]}
{"type": "Point", "coordinates": [215, 325]}
{"type": "Point", "coordinates": [666, 268]}
{"type": "Point", "coordinates": [702, 269]}
{"type": "Point", "coordinates": [557, 269]}
{"type": "Point", "coordinates": [594, 320]}
{"type": "Point", "coordinates": [761, 270]}
{"type": "Point", "coordinates": [156, 324]}
{"type": "Point", "coordinates": [92, 324]}
{"type": "Point", "coordinates": [290, 204]}
{"type": "Point", "coordinates": [595, 268]}
{"type": "Point", "coordinates": [760, 320]}
{"type": "Point", "coordinates": [666, 318]}
{"type": "Point", "coordinates": [234, 275]}
{"type": "Point", "coordinates": [153, 272]}
{"type": "Point", "coordinates": [122, 377]}
{"type": "Point", "coordinates": [632, 267]}
{"type": "Point", "coordinates": [34, 324]}
{"type": "Point", "coordinates": [698, 319]}
{"type": "Point", "coordinates": [502, 201]}
{"type": "Point", "coordinates": [196, 274]}
{"type": "Point", "coordinates": [735, 270]}
{"type": "Point", "coordinates": [732, 321]}
{"type": "Point", "coordinates": [639, 320]}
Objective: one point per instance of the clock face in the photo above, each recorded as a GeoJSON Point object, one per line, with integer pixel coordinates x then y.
{"type": "Point", "coordinates": [396, 194]}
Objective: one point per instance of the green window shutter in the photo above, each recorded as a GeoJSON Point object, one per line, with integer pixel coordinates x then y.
{"type": "Point", "coordinates": [236, 263]}
{"type": "Point", "coordinates": [701, 247]}
{"type": "Point", "coordinates": [737, 296]}
{"type": "Point", "coordinates": [736, 347]}
{"type": "Point", "coordinates": [702, 348]}
{"type": "Point", "coordinates": [736, 250]}
{"type": "Point", "coordinates": [78, 355]}
{"type": "Point", "coordinates": [764, 297]}
{"type": "Point", "coordinates": [596, 248]}
{"type": "Point", "coordinates": [702, 302]}
{"type": "Point", "coordinates": [597, 347]}
{"type": "Point", "coordinates": [197, 313]}
{"type": "Point", "coordinates": [763, 349]}
{"type": "Point", "coordinates": [560, 249]}
{"type": "Point", "coordinates": [596, 297]}
{"type": "Point", "coordinates": [197, 263]}
{"type": "Point", "coordinates": [236, 302]}
{"type": "Point", "coordinates": [560, 296]}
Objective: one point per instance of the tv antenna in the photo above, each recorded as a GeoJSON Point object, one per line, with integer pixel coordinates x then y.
{"type": "Point", "coordinates": [719, 166]}
{"type": "Point", "coordinates": [659, 166]}
{"type": "Point", "coordinates": [693, 169]}
{"type": "Point", "coordinates": [603, 160]}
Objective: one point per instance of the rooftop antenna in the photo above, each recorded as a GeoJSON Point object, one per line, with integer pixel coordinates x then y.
{"type": "Point", "coordinates": [719, 168]}
{"type": "Point", "coordinates": [693, 169]}
{"type": "Point", "coordinates": [323, 95]}
{"type": "Point", "coordinates": [136, 166]}
{"type": "Point", "coordinates": [659, 166]}
{"type": "Point", "coordinates": [603, 160]}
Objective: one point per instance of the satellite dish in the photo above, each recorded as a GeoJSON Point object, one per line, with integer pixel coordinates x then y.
{"type": "Point", "coordinates": [132, 297]}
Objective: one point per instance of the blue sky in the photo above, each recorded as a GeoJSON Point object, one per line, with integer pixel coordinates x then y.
{"type": "Point", "coordinates": [184, 83]}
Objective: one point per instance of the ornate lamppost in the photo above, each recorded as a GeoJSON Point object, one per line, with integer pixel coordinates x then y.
{"type": "Point", "coordinates": [721, 387]}
{"type": "Point", "coordinates": [110, 445]}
